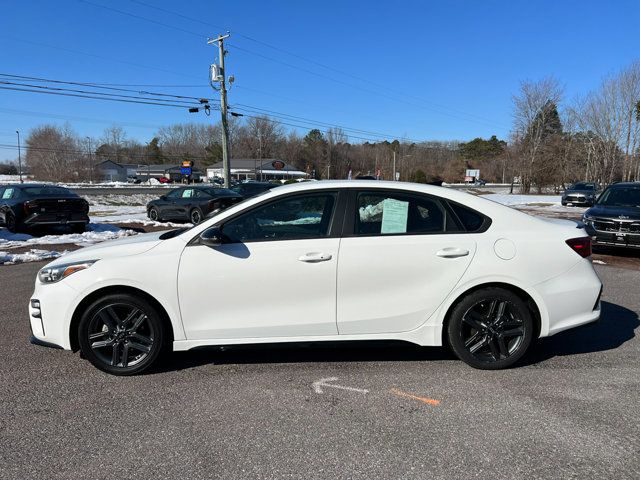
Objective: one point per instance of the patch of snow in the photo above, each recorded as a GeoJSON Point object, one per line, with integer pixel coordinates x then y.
{"type": "Point", "coordinates": [96, 233]}
{"type": "Point", "coordinates": [33, 255]}
{"type": "Point", "coordinates": [599, 262]}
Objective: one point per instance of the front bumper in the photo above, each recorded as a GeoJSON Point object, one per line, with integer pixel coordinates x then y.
{"type": "Point", "coordinates": [50, 310]}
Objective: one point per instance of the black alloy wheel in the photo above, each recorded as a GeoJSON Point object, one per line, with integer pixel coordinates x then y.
{"type": "Point", "coordinates": [490, 329]}
{"type": "Point", "coordinates": [121, 334]}
{"type": "Point", "coordinates": [153, 214]}
{"type": "Point", "coordinates": [196, 216]}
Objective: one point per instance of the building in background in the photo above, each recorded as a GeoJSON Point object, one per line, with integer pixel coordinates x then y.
{"type": "Point", "coordinates": [110, 171]}
{"type": "Point", "coordinates": [254, 169]}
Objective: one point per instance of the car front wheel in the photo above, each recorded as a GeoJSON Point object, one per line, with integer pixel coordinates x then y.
{"type": "Point", "coordinates": [196, 216]}
{"type": "Point", "coordinates": [121, 334]}
{"type": "Point", "coordinates": [490, 329]}
{"type": "Point", "coordinates": [153, 214]}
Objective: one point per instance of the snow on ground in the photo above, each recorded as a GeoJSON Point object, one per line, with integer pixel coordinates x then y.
{"type": "Point", "coordinates": [33, 255]}
{"type": "Point", "coordinates": [539, 203]}
{"type": "Point", "coordinates": [96, 233]}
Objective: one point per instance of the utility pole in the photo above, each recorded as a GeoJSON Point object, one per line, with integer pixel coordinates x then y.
{"type": "Point", "coordinates": [90, 162]}
{"type": "Point", "coordinates": [220, 77]}
{"type": "Point", "coordinates": [19, 158]}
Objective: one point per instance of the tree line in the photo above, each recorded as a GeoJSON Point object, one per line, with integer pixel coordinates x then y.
{"type": "Point", "coordinates": [553, 142]}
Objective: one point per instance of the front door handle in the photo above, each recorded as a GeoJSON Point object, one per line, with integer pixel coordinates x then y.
{"type": "Point", "coordinates": [315, 257]}
{"type": "Point", "coordinates": [452, 252]}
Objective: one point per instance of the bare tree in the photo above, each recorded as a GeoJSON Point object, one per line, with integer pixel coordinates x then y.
{"type": "Point", "coordinates": [532, 116]}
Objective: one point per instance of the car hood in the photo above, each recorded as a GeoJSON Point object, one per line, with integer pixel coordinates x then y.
{"type": "Point", "coordinates": [632, 213]}
{"type": "Point", "coordinates": [585, 192]}
{"type": "Point", "coordinates": [114, 248]}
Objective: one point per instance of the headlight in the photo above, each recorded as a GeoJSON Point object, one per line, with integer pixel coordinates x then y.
{"type": "Point", "coordinates": [587, 219]}
{"type": "Point", "coordinates": [58, 272]}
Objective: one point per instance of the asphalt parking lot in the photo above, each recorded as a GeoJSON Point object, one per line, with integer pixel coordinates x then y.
{"type": "Point", "coordinates": [571, 411]}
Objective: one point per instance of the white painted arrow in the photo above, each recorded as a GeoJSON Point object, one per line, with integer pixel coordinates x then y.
{"type": "Point", "coordinates": [323, 382]}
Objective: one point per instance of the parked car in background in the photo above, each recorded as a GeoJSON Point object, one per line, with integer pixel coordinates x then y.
{"type": "Point", "coordinates": [191, 204]}
{"type": "Point", "coordinates": [615, 218]}
{"type": "Point", "coordinates": [251, 189]}
{"type": "Point", "coordinates": [28, 205]}
{"type": "Point", "coordinates": [326, 261]}
{"type": "Point", "coordinates": [581, 193]}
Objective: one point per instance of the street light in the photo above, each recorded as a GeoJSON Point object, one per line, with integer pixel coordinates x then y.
{"type": "Point", "coordinates": [19, 158]}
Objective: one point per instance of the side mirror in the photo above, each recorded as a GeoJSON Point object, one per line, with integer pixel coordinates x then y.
{"type": "Point", "coordinates": [163, 197]}
{"type": "Point", "coordinates": [212, 237]}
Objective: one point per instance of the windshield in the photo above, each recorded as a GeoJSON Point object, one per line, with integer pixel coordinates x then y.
{"type": "Point", "coordinates": [47, 190]}
{"type": "Point", "coordinates": [621, 197]}
{"type": "Point", "coordinates": [583, 186]}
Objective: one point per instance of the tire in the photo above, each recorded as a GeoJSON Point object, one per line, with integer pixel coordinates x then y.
{"type": "Point", "coordinates": [121, 334]}
{"type": "Point", "coordinates": [196, 216]}
{"type": "Point", "coordinates": [11, 223]}
{"type": "Point", "coordinates": [490, 329]}
{"type": "Point", "coordinates": [154, 215]}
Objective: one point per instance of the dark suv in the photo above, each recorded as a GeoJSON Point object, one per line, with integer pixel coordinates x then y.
{"type": "Point", "coordinates": [29, 205]}
{"type": "Point", "coordinates": [581, 193]}
{"type": "Point", "coordinates": [615, 218]}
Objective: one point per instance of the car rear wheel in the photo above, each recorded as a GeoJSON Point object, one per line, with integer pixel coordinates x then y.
{"type": "Point", "coordinates": [153, 214]}
{"type": "Point", "coordinates": [196, 216]}
{"type": "Point", "coordinates": [121, 334]}
{"type": "Point", "coordinates": [490, 329]}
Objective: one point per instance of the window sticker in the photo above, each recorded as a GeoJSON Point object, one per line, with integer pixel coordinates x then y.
{"type": "Point", "coordinates": [394, 216]}
{"type": "Point", "coordinates": [7, 193]}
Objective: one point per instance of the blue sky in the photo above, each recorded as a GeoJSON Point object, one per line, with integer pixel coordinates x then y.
{"type": "Point", "coordinates": [423, 70]}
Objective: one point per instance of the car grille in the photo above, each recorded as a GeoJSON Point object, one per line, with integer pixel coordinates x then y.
{"type": "Point", "coordinates": [608, 225]}
{"type": "Point", "coordinates": [617, 232]}
{"type": "Point", "coordinates": [575, 198]}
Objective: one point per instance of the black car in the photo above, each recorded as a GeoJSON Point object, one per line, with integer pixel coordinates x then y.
{"type": "Point", "coordinates": [581, 193]}
{"type": "Point", "coordinates": [29, 205]}
{"type": "Point", "coordinates": [615, 218]}
{"type": "Point", "coordinates": [251, 189]}
{"type": "Point", "coordinates": [191, 204]}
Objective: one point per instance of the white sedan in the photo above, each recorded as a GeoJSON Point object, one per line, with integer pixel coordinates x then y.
{"type": "Point", "coordinates": [325, 261]}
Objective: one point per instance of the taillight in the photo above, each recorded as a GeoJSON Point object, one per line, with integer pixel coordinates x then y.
{"type": "Point", "coordinates": [28, 206]}
{"type": "Point", "coordinates": [581, 245]}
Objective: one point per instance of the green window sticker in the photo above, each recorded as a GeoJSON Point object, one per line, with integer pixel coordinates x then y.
{"type": "Point", "coordinates": [394, 216]}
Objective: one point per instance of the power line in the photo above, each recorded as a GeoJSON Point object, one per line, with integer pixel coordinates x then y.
{"type": "Point", "coordinates": [96, 85]}
{"type": "Point", "coordinates": [249, 108]}
{"type": "Point", "coordinates": [309, 123]}
{"type": "Point", "coordinates": [93, 97]}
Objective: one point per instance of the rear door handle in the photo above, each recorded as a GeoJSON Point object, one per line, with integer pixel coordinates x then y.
{"type": "Point", "coordinates": [315, 257]}
{"type": "Point", "coordinates": [452, 252]}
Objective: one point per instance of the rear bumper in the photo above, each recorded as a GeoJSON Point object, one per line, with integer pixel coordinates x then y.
{"type": "Point", "coordinates": [571, 299]}
{"type": "Point", "coordinates": [56, 219]}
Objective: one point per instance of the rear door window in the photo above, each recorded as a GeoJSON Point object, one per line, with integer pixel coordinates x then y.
{"type": "Point", "coordinates": [388, 213]}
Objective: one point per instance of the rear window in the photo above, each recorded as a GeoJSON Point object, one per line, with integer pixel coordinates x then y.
{"type": "Point", "coordinates": [471, 220]}
{"type": "Point", "coordinates": [47, 190]}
